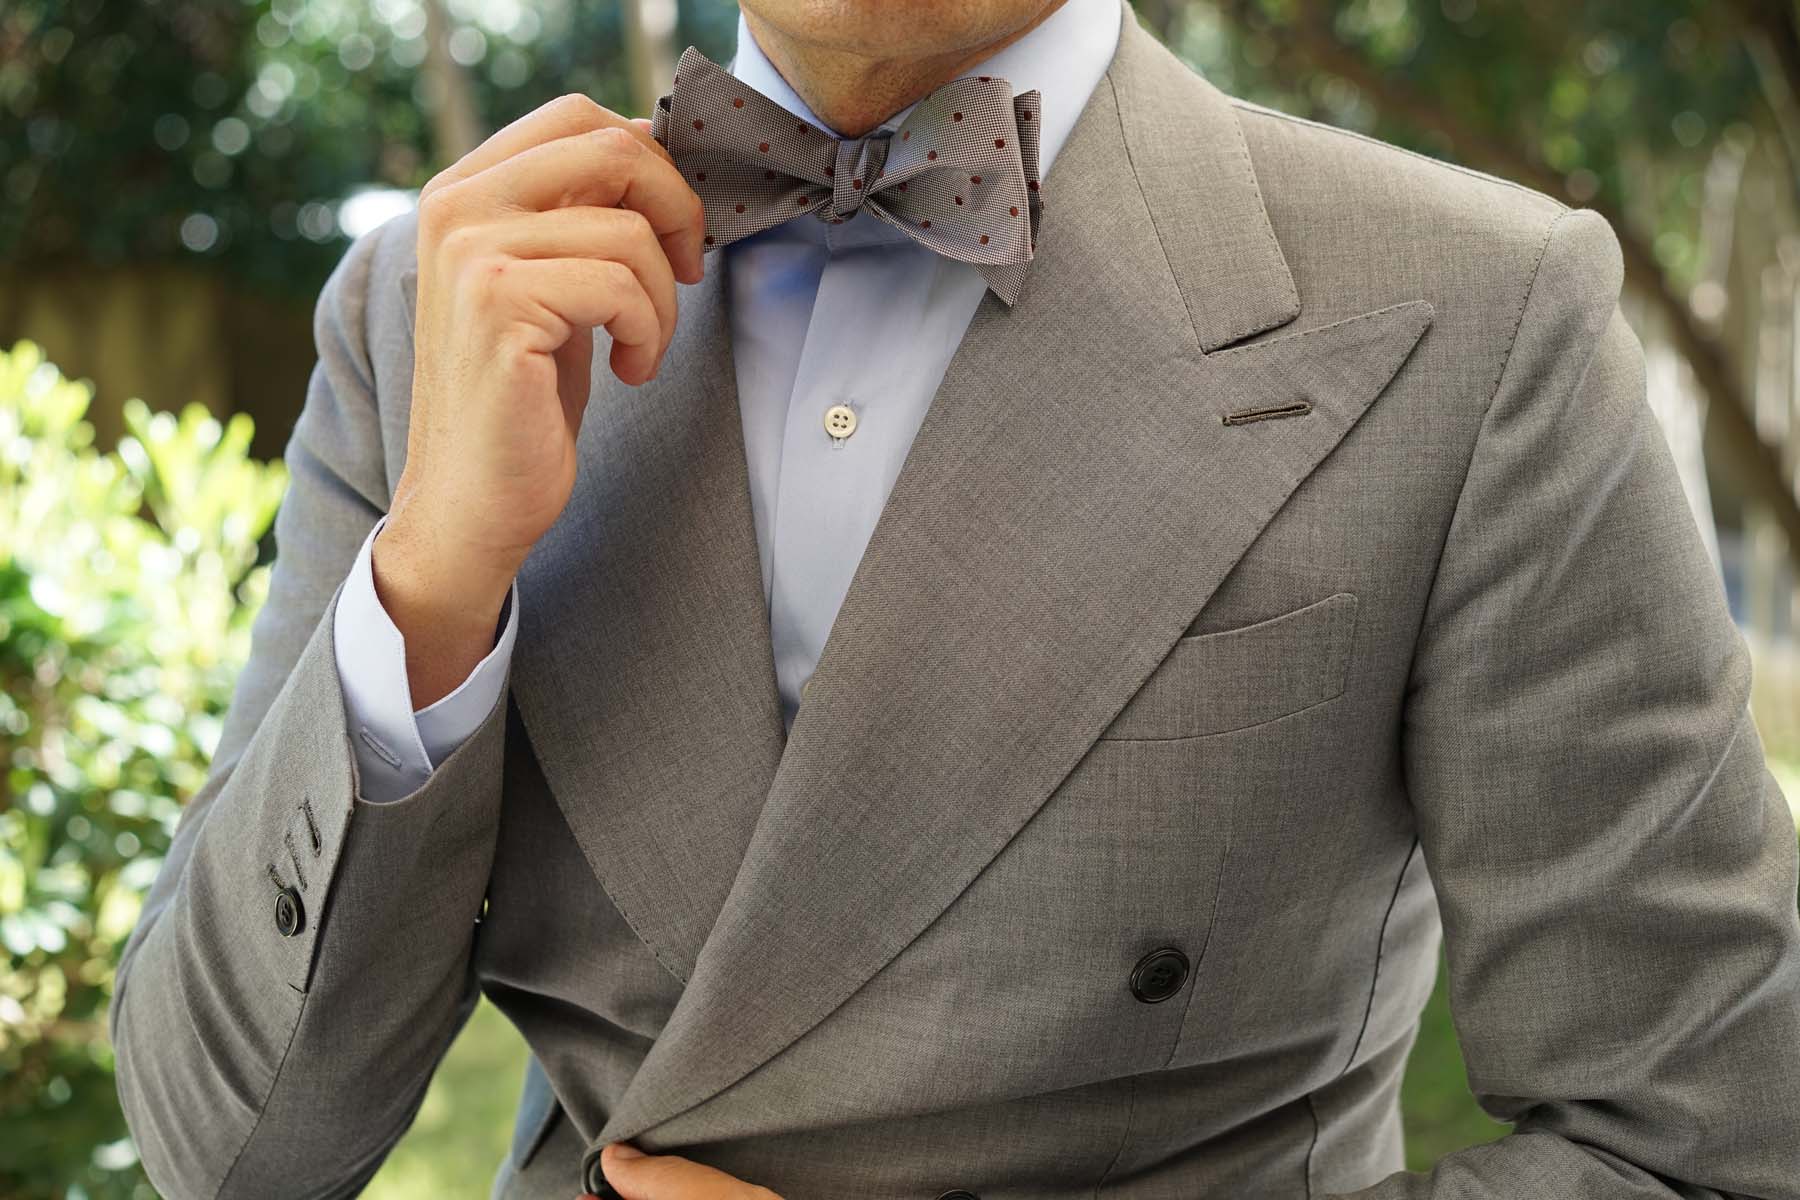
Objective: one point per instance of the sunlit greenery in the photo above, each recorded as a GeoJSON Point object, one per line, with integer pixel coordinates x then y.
{"type": "Point", "coordinates": [127, 584]}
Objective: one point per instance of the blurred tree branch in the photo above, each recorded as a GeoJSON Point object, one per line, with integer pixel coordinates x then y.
{"type": "Point", "coordinates": [455, 120]}
{"type": "Point", "coordinates": [1309, 43]}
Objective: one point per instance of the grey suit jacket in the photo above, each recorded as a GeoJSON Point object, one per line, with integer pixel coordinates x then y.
{"type": "Point", "coordinates": [1294, 573]}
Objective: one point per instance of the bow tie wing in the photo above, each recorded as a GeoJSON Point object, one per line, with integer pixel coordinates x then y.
{"type": "Point", "coordinates": [754, 164]}
{"type": "Point", "coordinates": [961, 177]}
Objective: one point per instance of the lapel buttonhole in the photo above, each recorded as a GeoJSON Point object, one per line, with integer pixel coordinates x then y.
{"type": "Point", "coordinates": [1244, 416]}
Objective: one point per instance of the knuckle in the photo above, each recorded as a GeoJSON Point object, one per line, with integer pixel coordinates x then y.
{"type": "Point", "coordinates": [616, 141]}
{"type": "Point", "coordinates": [485, 280]}
{"type": "Point", "coordinates": [618, 277]}
{"type": "Point", "coordinates": [634, 225]}
{"type": "Point", "coordinates": [437, 214]}
{"type": "Point", "coordinates": [460, 241]}
{"type": "Point", "coordinates": [576, 108]}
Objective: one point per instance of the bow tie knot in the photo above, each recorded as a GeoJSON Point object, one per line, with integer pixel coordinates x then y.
{"type": "Point", "coordinates": [859, 165]}
{"type": "Point", "coordinates": [959, 175]}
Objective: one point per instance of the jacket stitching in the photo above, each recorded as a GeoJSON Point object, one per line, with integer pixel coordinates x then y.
{"type": "Point", "coordinates": [1512, 343]}
{"type": "Point", "coordinates": [1295, 119]}
{"type": "Point", "coordinates": [1248, 348]}
{"type": "Point", "coordinates": [1307, 1177]}
{"type": "Point", "coordinates": [312, 824]}
{"type": "Point", "coordinates": [1380, 947]}
{"type": "Point", "coordinates": [1124, 1137]}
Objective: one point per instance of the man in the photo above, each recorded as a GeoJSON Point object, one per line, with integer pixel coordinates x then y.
{"type": "Point", "coordinates": [993, 706]}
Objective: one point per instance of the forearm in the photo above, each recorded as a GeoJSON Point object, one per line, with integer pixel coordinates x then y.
{"type": "Point", "coordinates": [256, 1058]}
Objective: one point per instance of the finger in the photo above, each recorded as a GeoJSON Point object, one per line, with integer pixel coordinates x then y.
{"type": "Point", "coordinates": [645, 124]}
{"type": "Point", "coordinates": [607, 168]}
{"type": "Point", "coordinates": [557, 298]}
{"type": "Point", "coordinates": [639, 1176]}
{"type": "Point", "coordinates": [588, 232]}
{"type": "Point", "coordinates": [558, 118]}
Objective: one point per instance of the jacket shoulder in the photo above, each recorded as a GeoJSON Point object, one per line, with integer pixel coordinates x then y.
{"type": "Point", "coordinates": [1301, 160]}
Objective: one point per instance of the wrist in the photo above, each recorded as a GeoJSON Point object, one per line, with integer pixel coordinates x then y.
{"type": "Point", "coordinates": [446, 607]}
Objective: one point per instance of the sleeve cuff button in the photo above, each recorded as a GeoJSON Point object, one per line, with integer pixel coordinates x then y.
{"type": "Point", "coordinates": [290, 915]}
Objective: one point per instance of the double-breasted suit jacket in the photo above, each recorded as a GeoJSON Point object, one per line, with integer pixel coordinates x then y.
{"type": "Point", "coordinates": [1293, 578]}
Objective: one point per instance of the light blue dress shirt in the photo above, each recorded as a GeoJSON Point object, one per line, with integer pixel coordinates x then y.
{"type": "Point", "coordinates": [855, 314]}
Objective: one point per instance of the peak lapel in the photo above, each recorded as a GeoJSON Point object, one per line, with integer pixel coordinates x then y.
{"type": "Point", "coordinates": [643, 668]}
{"type": "Point", "coordinates": [1071, 500]}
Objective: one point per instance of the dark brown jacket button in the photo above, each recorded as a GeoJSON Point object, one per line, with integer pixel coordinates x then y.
{"type": "Point", "coordinates": [290, 916]}
{"type": "Point", "coordinates": [1159, 975]}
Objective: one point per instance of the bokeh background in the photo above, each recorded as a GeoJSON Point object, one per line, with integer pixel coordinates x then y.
{"type": "Point", "coordinates": [177, 177]}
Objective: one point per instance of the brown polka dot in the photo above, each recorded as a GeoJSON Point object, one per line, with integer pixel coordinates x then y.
{"type": "Point", "coordinates": [740, 208]}
{"type": "Point", "coordinates": [857, 184]}
{"type": "Point", "coordinates": [738, 103]}
{"type": "Point", "coordinates": [709, 239]}
{"type": "Point", "coordinates": [768, 174]}
{"type": "Point", "coordinates": [905, 133]}
{"type": "Point", "coordinates": [1025, 116]}
{"type": "Point", "coordinates": [902, 185]}
{"type": "Point", "coordinates": [956, 116]}
{"type": "Point", "coordinates": [800, 200]}
{"type": "Point", "coordinates": [932, 154]}
{"type": "Point", "coordinates": [700, 176]}
{"type": "Point", "coordinates": [924, 224]}
{"type": "Point", "coordinates": [999, 143]}
{"type": "Point", "coordinates": [984, 239]}
{"type": "Point", "coordinates": [804, 129]}
{"type": "Point", "coordinates": [984, 78]}
{"type": "Point", "coordinates": [1013, 211]}
{"type": "Point", "coordinates": [699, 124]}
{"type": "Point", "coordinates": [959, 199]}
{"type": "Point", "coordinates": [974, 179]}
{"type": "Point", "coordinates": [763, 146]}
{"type": "Point", "coordinates": [1032, 184]}
{"type": "Point", "coordinates": [831, 172]}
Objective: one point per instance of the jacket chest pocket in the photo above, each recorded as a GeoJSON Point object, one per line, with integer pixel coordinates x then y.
{"type": "Point", "coordinates": [1234, 678]}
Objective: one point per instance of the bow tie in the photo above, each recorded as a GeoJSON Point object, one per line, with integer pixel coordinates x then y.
{"type": "Point", "coordinates": [959, 176]}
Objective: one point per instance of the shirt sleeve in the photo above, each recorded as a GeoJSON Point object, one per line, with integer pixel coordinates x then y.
{"type": "Point", "coordinates": [395, 747]}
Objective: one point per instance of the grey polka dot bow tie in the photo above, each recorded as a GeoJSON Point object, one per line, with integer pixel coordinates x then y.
{"type": "Point", "coordinates": [959, 175]}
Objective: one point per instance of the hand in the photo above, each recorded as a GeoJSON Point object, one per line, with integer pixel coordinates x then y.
{"type": "Point", "coordinates": [569, 219]}
{"type": "Point", "coordinates": [639, 1176]}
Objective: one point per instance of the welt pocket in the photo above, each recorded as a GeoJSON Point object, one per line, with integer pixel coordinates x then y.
{"type": "Point", "coordinates": [1234, 678]}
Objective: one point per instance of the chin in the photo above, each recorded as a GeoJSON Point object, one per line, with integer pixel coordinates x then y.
{"type": "Point", "coordinates": [896, 28]}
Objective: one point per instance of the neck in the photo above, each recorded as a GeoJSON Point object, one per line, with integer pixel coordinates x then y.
{"type": "Point", "coordinates": [852, 92]}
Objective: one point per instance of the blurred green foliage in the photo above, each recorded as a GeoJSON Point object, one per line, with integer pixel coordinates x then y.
{"type": "Point", "coordinates": [230, 130]}
{"type": "Point", "coordinates": [128, 581]}
{"type": "Point", "coordinates": [1613, 106]}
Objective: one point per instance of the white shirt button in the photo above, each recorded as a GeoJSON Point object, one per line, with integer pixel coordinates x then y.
{"type": "Point", "coordinates": [840, 421]}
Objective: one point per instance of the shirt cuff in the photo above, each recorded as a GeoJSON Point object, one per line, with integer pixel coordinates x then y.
{"type": "Point", "coordinates": [397, 749]}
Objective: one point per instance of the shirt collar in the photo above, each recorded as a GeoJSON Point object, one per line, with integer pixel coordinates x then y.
{"type": "Point", "coordinates": [1063, 58]}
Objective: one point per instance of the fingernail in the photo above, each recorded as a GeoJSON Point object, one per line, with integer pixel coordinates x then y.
{"type": "Point", "coordinates": [626, 1150]}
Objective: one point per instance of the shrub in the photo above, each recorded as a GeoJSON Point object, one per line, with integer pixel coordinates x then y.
{"type": "Point", "coordinates": [128, 580]}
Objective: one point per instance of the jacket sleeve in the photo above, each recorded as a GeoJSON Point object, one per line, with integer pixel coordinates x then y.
{"type": "Point", "coordinates": [303, 959]}
{"type": "Point", "coordinates": [1614, 864]}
